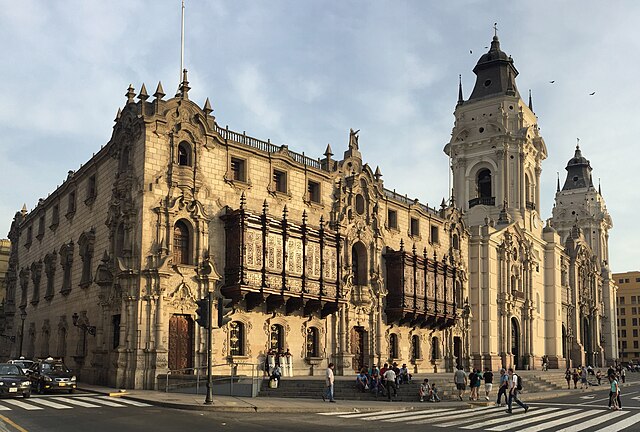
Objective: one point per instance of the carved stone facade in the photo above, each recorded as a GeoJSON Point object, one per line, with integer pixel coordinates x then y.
{"type": "Point", "coordinates": [535, 290]}
{"type": "Point", "coordinates": [332, 266]}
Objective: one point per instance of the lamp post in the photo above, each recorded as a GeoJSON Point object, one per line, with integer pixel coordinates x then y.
{"type": "Point", "coordinates": [23, 316]}
{"type": "Point", "coordinates": [85, 329]}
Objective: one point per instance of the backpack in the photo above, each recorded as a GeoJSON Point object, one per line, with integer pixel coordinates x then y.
{"type": "Point", "coordinates": [519, 385]}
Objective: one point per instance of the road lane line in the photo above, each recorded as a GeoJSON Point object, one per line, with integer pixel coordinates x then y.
{"type": "Point", "coordinates": [581, 415]}
{"type": "Point", "coordinates": [594, 422]}
{"type": "Point", "coordinates": [365, 414]}
{"type": "Point", "coordinates": [4, 408]}
{"type": "Point", "coordinates": [75, 401]}
{"type": "Point", "coordinates": [23, 405]}
{"type": "Point", "coordinates": [390, 416]}
{"type": "Point", "coordinates": [472, 419]}
{"type": "Point", "coordinates": [128, 401]}
{"type": "Point", "coordinates": [15, 425]}
{"type": "Point", "coordinates": [429, 418]}
{"type": "Point", "coordinates": [334, 413]}
{"type": "Point", "coordinates": [508, 418]}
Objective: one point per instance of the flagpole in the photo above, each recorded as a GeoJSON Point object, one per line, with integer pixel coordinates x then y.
{"type": "Point", "coordinates": [181, 45]}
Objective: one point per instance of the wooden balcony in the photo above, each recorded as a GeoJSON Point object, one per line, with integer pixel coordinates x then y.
{"type": "Point", "coordinates": [282, 265]}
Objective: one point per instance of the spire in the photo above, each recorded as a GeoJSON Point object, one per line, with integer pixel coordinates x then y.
{"type": "Point", "coordinates": [377, 174]}
{"type": "Point", "coordinates": [143, 95]}
{"type": "Point", "coordinates": [207, 107]}
{"type": "Point", "coordinates": [495, 74]}
{"type": "Point", "coordinates": [530, 101]}
{"type": "Point", "coordinates": [578, 171]}
{"type": "Point", "coordinates": [118, 115]}
{"type": "Point", "coordinates": [24, 210]}
{"type": "Point", "coordinates": [558, 186]}
{"type": "Point", "coordinates": [599, 188]}
{"type": "Point", "coordinates": [328, 152]}
{"type": "Point", "coordinates": [159, 94]}
{"type": "Point", "coordinates": [460, 97]}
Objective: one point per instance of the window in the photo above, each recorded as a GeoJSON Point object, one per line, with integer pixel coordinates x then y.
{"type": "Point", "coordinates": [623, 333]}
{"type": "Point", "coordinates": [91, 190]}
{"type": "Point", "coordinates": [622, 311]}
{"type": "Point", "coordinates": [312, 342]}
{"type": "Point", "coordinates": [55, 217]}
{"type": "Point", "coordinates": [184, 154]}
{"type": "Point", "coordinates": [634, 311]}
{"type": "Point", "coordinates": [40, 228]}
{"type": "Point", "coordinates": [634, 322]}
{"type": "Point", "coordinates": [621, 300]}
{"type": "Point", "coordinates": [484, 184]}
{"type": "Point", "coordinates": [634, 299]}
{"type": "Point", "coordinates": [393, 346]}
{"type": "Point", "coordinates": [276, 338]}
{"type": "Point", "coordinates": [239, 169]}
{"type": "Point", "coordinates": [313, 188]}
{"type": "Point", "coordinates": [637, 279]}
{"type": "Point", "coordinates": [414, 227]}
{"type": "Point", "coordinates": [50, 261]}
{"type": "Point", "coordinates": [626, 280]}
{"type": "Point", "coordinates": [624, 344]}
{"type": "Point", "coordinates": [359, 264]}
{"type": "Point", "coordinates": [236, 338]}
{"type": "Point", "coordinates": [455, 242]}
{"type": "Point", "coordinates": [71, 204]}
{"type": "Point", "coordinates": [181, 243]}
{"type": "Point", "coordinates": [392, 219]}
{"type": "Point", "coordinates": [623, 322]}
{"type": "Point", "coordinates": [415, 347]}
{"type": "Point", "coordinates": [119, 241]}
{"type": "Point", "coordinates": [115, 326]}
{"type": "Point", "coordinates": [360, 204]}
{"type": "Point", "coordinates": [635, 344]}
{"type": "Point", "coordinates": [36, 276]}
{"type": "Point", "coordinates": [435, 348]}
{"type": "Point", "coordinates": [620, 280]}
{"type": "Point", "coordinates": [27, 243]}
{"type": "Point", "coordinates": [635, 333]}
{"type": "Point", "coordinates": [85, 244]}
{"type": "Point", "coordinates": [66, 261]}
{"type": "Point", "coordinates": [124, 159]}
{"type": "Point", "coordinates": [280, 181]}
{"type": "Point", "coordinates": [435, 234]}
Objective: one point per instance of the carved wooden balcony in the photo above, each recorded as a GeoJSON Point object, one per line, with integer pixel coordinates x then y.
{"type": "Point", "coordinates": [421, 290]}
{"type": "Point", "coordinates": [287, 266]}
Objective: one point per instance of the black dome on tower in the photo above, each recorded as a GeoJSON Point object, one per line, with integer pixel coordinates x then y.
{"type": "Point", "coordinates": [495, 74]}
{"type": "Point", "coordinates": [578, 172]}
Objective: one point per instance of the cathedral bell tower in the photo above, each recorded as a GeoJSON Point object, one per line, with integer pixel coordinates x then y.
{"type": "Point", "coordinates": [496, 149]}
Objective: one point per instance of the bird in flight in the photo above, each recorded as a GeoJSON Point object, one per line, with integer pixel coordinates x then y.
{"type": "Point", "coordinates": [470, 52]}
{"type": "Point", "coordinates": [551, 82]}
{"type": "Point", "coordinates": [591, 94]}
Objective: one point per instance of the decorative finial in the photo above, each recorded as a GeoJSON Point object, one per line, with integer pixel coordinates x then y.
{"type": "Point", "coordinates": [599, 189]}
{"type": "Point", "coordinates": [24, 210]}
{"type": "Point", "coordinates": [265, 207]}
{"type": "Point", "coordinates": [130, 94]}
{"type": "Point", "coordinates": [304, 217]}
{"type": "Point", "coordinates": [243, 201]}
{"type": "Point", "coordinates": [285, 212]}
{"type": "Point", "coordinates": [207, 107]}
{"type": "Point", "coordinates": [183, 90]}
{"type": "Point", "coordinates": [159, 94]}
{"type": "Point", "coordinates": [143, 95]}
{"type": "Point", "coordinates": [321, 222]}
{"type": "Point", "coordinates": [530, 101]}
{"type": "Point", "coordinates": [118, 115]}
{"type": "Point", "coordinates": [460, 96]}
{"type": "Point", "coordinates": [443, 204]}
{"type": "Point", "coordinates": [328, 152]}
{"type": "Point", "coordinates": [577, 143]}
{"type": "Point", "coordinates": [495, 29]}
{"type": "Point", "coordinates": [401, 245]}
{"type": "Point", "coordinates": [558, 186]}
{"type": "Point", "coordinates": [414, 250]}
{"type": "Point", "coordinates": [377, 174]}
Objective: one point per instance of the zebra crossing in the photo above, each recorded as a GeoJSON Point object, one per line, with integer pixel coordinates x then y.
{"type": "Point", "coordinates": [67, 402]}
{"type": "Point", "coordinates": [539, 418]}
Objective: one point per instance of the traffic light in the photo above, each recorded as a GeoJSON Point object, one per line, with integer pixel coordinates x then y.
{"type": "Point", "coordinates": [203, 312]}
{"type": "Point", "coordinates": [224, 310]}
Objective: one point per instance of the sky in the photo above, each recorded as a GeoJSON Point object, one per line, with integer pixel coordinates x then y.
{"type": "Point", "coordinates": [303, 73]}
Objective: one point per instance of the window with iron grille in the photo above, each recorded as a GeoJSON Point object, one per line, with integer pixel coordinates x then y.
{"type": "Point", "coordinates": [181, 243]}
{"type": "Point", "coordinates": [236, 338]}
{"type": "Point", "coordinates": [239, 169]}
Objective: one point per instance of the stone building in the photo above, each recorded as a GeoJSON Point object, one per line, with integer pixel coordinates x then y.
{"type": "Point", "coordinates": [534, 290]}
{"type": "Point", "coordinates": [319, 258]}
{"type": "Point", "coordinates": [628, 308]}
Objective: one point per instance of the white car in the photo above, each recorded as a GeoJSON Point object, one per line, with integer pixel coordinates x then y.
{"type": "Point", "coordinates": [22, 363]}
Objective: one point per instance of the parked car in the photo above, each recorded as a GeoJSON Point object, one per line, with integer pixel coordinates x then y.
{"type": "Point", "coordinates": [13, 382]}
{"type": "Point", "coordinates": [51, 374]}
{"type": "Point", "coordinates": [22, 363]}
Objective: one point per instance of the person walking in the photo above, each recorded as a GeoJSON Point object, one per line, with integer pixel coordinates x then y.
{"type": "Point", "coordinates": [329, 380]}
{"type": "Point", "coordinates": [576, 377]}
{"type": "Point", "coordinates": [390, 383]}
{"type": "Point", "coordinates": [488, 383]}
{"type": "Point", "coordinates": [504, 386]}
{"type": "Point", "coordinates": [614, 393]}
{"type": "Point", "coordinates": [584, 384]}
{"type": "Point", "coordinates": [473, 384]}
{"type": "Point", "coordinates": [623, 374]}
{"type": "Point", "coordinates": [567, 376]}
{"type": "Point", "coordinates": [515, 386]}
{"type": "Point", "coordinates": [460, 380]}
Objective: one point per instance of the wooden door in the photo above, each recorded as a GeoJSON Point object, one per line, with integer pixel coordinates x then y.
{"type": "Point", "coordinates": [180, 342]}
{"type": "Point", "coordinates": [358, 347]}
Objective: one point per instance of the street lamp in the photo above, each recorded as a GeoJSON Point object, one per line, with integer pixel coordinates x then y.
{"type": "Point", "coordinates": [86, 328]}
{"type": "Point", "coordinates": [23, 316]}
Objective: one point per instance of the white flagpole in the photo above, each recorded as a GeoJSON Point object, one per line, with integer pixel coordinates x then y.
{"type": "Point", "coordinates": [181, 44]}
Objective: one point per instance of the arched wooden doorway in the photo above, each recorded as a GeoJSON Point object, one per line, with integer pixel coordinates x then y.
{"type": "Point", "coordinates": [457, 350]}
{"type": "Point", "coordinates": [359, 347]}
{"type": "Point", "coordinates": [515, 343]}
{"type": "Point", "coordinates": [181, 345]}
{"type": "Point", "coordinates": [587, 342]}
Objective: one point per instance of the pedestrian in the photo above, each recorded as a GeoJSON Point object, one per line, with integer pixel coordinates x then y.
{"type": "Point", "coordinates": [405, 376]}
{"type": "Point", "coordinates": [275, 377]}
{"type": "Point", "coordinates": [515, 386]}
{"type": "Point", "coordinates": [504, 386]}
{"type": "Point", "coordinates": [599, 377]}
{"type": "Point", "coordinates": [623, 374]}
{"type": "Point", "coordinates": [434, 393]}
{"type": "Point", "coordinates": [329, 379]}
{"type": "Point", "coordinates": [460, 380]}
{"type": "Point", "coordinates": [362, 383]}
{"type": "Point", "coordinates": [614, 393]}
{"type": "Point", "coordinates": [488, 382]}
{"type": "Point", "coordinates": [567, 376]}
{"type": "Point", "coordinates": [584, 384]}
{"type": "Point", "coordinates": [480, 378]}
{"type": "Point", "coordinates": [425, 390]}
{"type": "Point", "coordinates": [473, 381]}
{"type": "Point", "coordinates": [576, 377]}
{"type": "Point", "coordinates": [390, 383]}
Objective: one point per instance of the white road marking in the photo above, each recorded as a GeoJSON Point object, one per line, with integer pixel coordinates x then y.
{"type": "Point", "coordinates": [472, 419]}
{"type": "Point", "coordinates": [101, 401]}
{"type": "Point", "coordinates": [403, 414]}
{"type": "Point", "coordinates": [367, 414]}
{"type": "Point", "coordinates": [629, 421]}
{"type": "Point", "coordinates": [129, 402]}
{"type": "Point", "coordinates": [335, 413]}
{"type": "Point", "coordinates": [433, 414]}
{"type": "Point", "coordinates": [508, 418]}
{"type": "Point", "coordinates": [50, 404]}
{"type": "Point", "coordinates": [75, 401]}
{"type": "Point", "coordinates": [446, 415]}
{"type": "Point", "coordinates": [594, 421]}
{"type": "Point", "coordinates": [22, 405]}
{"type": "Point", "coordinates": [564, 420]}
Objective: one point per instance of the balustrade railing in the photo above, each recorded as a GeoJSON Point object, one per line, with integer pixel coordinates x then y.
{"type": "Point", "coordinates": [488, 201]}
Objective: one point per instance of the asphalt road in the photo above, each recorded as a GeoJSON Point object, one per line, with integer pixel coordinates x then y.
{"type": "Point", "coordinates": [577, 412]}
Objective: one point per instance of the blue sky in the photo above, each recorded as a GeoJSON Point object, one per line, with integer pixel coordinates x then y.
{"type": "Point", "coordinates": [303, 72]}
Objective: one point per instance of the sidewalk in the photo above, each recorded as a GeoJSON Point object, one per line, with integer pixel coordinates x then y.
{"type": "Point", "coordinates": [289, 405]}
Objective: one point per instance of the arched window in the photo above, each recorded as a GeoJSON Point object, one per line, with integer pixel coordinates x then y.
{"type": "Point", "coordinates": [393, 346]}
{"type": "Point", "coordinates": [181, 243]}
{"type": "Point", "coordinates": [276, 339]}
{"type": "Point", "coordinates": [484, 183]}
{"type": "Point", "coordinates": [124, 159]}
{"type": "Point", "coordinates": [458, 296]}
{"type": "Point", "coordinates": [435, 348]}
{"type": "Point", "coordinates": [119, 246]}
{"type": "Point", "coordinates": [514, 284]}
{"type": "Point", "coordinates": [359, 264]}
{"type": "Point", "coordinates": [236, 338]}
{"type": "Point", "coordinates": [527, 189]}
{"type": "Point", "coordinates": [455, 241]}
{"type": "Point", "coordinates": [313, 340]}
{"type": "Point", "coordinates": [184, 154]}
{"type": "Point", "coordinates": [415, 347]}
